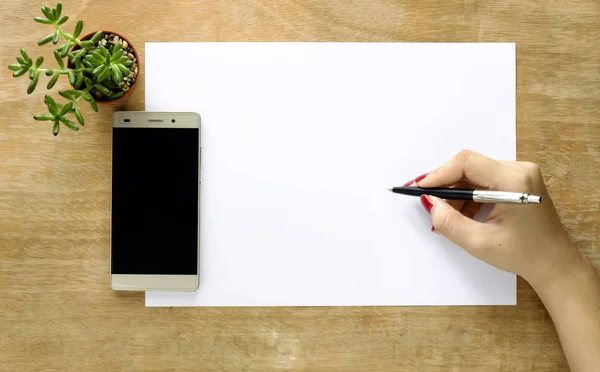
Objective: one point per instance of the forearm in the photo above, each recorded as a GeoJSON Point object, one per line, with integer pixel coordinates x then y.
{"type": "Point", "coordinates": [573, 302]}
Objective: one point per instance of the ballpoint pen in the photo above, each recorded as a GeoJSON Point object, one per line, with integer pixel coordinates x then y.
{"type": "Point", "coordinates": [479, 196]}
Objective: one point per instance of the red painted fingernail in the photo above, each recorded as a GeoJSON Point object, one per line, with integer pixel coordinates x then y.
{"type": "Point", "coordinates": [427, 203]}
{"type": "Point", "coordinates": [409, 183]}
{"type": "Point", "coordinates": [421, 177]}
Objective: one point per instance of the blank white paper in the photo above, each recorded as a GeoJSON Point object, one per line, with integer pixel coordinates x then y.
{"type": "Point", "coordinates": [300, 142]}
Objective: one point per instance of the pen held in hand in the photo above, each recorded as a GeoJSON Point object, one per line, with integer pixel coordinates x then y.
{"type": "Point", "coordinates": [479, 196]}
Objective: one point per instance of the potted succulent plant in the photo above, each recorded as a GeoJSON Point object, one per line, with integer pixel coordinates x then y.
{"type": "Point", "coordinates": [101, 67]}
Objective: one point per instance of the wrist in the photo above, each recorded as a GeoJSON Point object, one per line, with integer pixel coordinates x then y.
{"type": "Point", "coordinates": [563, 275]}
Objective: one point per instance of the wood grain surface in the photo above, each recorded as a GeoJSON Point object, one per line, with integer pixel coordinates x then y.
{"type": "Point", "coordinates": [57, 311]}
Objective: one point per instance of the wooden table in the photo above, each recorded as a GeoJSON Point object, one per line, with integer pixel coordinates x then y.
{"type": "Point", "coordinates": [57, 311]}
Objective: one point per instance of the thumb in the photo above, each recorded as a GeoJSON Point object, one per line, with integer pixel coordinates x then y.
{"type": "Point", "coordinates": [447, 221]}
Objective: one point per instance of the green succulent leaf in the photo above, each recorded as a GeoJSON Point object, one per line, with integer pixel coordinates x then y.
{"type": "Point", "coordinates": [103, 75]}
{"type": "Point", "coordinates": [49, 101]}
{"type": "Point", "coordinates": [58, 9]}
{"type": "Point", "coordinates": [60, 49]}
{"type": "Point", "coordinates": [55, 37]}
{"type": "Point", "coordinates": [99, 57]}
{"type": "Point", "coordinates": [88, 97]}
{"type": "Point", "coordinates": [117, 76]}
{"type": "Point", "coordinates": [43, 117]}
{"type": "Point", "coordinates": [66, 109]}
{"type": "Point", "coordinates": [98, 70]}
{"type": "Point", "coordinates": [46, 39]}
{"type": "Point", "coordinates": [48, 13]}
{"type": "Point", "coordinates": [104, 90]}
{"type": "Point", "coordinates": [123, 69]}
{"type": "Point", "coordinates": [63, 20]}
{"type": "Point", "coordinates": [26, 57]}
{"type": "Point", "coordinates": [15, 67]}
{"type": "Point", "coordinates": [87, 63]}
{"type": "Point", "coordinates": [71, 77]}
{"type": "Point", "coordinates": [67, 95]}
{"type": "Point", "coordinates": [49, 72]}
{"type": "Point", "coordinates": [86, 44]}
{"type": "Point", "coordinates": [88, 82]}
{"type": "Point", "coordinates": [53, 108]}
{"type": "Point", "coordinates": [74, 92]}
{"type": "Point", "coordinates": [66, 48]}
{"type": "Point", "coordinates": [59, 60]}
{"type": "Point", "coordinates": [42, 20]}
{"type": "Point", "coordinates": [68, 36]}
{"type": "Point", "coordinates": [104, 52]}
{"type": "Point", "coordinates": [20, 72]}
{"type": "Point", "coordinates": [109, 84]}
{"type": "Point", "coordinates": [68, 123]}
{"type": "Point", "coordinates": [97, 36]}
{"type": "Point", "coordinates": [128, 63]}
{"type": "Point", "coordinates": [53, 80]}
{"type": "Point", "coordinates": [93, 62]}
{"type": "Point", "coordinates": [39, 61]}
{"type": "Point", "coordinates": [78, 116]}
{"type": "Point", "coordinates": [78, 79]}
{"type": "Point", "coordinates": [33, 84]}
{"type": "Point", "coordinates": [55, 14]}
{"type": "Point", "coordinates": [116, 95]}
{"type": "Point", "coordinates": [93, 104]}
{"type": "Point", "coordinates": [22, 62]}
{"type": "Point", "coordinates": [55, 128]}
{"type": "Point", "coordinates": [116, 56]}
{"type": "Point", "coordinates": [76, 57]}
{"type": "Point", "coordinates": [78, 28]}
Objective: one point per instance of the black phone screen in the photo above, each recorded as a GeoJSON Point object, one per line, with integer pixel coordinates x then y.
{"type": "Point", "coordinates": [154, 209]}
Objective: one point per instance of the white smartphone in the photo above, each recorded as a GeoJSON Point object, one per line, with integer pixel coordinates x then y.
{"type": "Point", "coordinates": [155, 200]}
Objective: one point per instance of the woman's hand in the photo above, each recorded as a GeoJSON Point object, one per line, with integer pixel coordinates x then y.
{"type": "Point", "coordinates": [528, 240]}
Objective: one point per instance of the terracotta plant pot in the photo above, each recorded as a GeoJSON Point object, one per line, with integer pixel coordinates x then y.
{"type": "Point", "coordinates": [135, 54]}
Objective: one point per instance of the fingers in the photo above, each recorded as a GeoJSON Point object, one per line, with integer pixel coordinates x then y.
{"type": "Point", "coordinates": [470, 209]}
{"type": "Point", "coordinates": [449, 222]}
{"type": "Point", "coordinates": [458, 204]}
{"type": "Point", "coordinates": [469, 166]}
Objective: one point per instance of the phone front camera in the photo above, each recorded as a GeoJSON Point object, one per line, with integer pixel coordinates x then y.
{"type": "Point", "coordinates": [172, 120]}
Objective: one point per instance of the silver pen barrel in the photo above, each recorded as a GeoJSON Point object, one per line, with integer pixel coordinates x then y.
{"type": "Point", "coordinates": [483, 196]}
